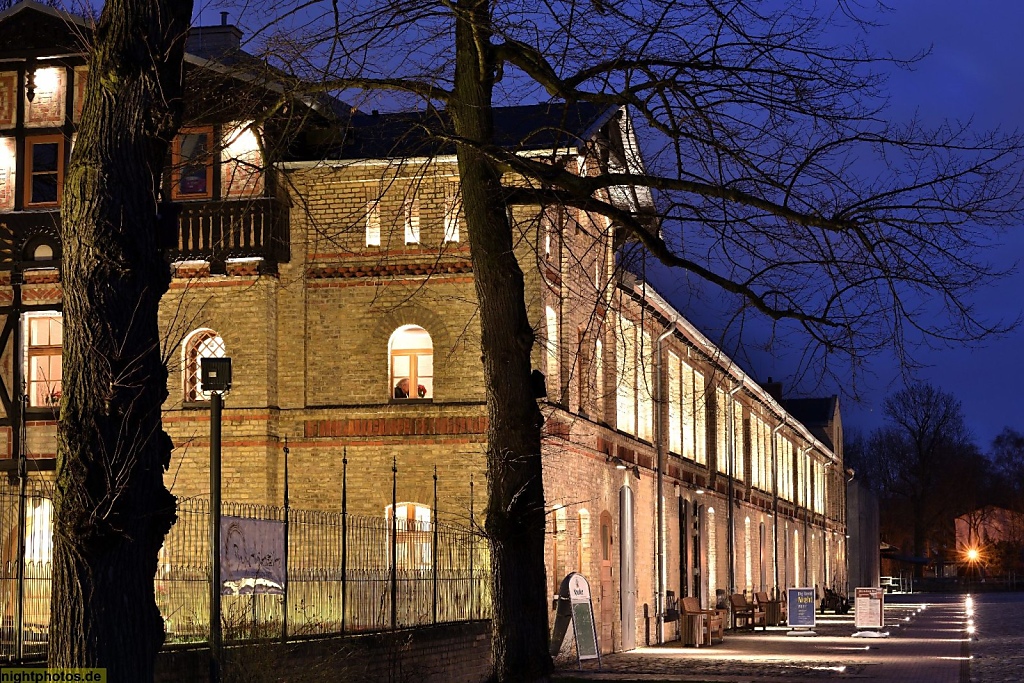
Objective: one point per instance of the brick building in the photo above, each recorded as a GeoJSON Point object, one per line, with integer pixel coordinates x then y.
{"type": "Point", "coordinates": [337, 277]}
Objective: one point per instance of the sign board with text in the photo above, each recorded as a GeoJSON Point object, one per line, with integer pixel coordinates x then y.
{"type": "Point", "coordinates": [575, 606]}
{"type": "Point", "coordinates": [869, 608]}
{"type": "Point", "coordinates": [800, 604]}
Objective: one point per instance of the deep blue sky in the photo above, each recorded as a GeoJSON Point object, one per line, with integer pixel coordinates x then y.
{"type": "Point", "coordinates": [975, 71]}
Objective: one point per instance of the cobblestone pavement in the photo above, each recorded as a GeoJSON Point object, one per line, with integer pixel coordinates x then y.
{"type": "Point", "coordinates": [998, 648]}
{"type": "Point", "coordinates": [926, 646]}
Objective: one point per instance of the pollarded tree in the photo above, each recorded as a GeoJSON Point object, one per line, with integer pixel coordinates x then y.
{"type": "Point", "coordinates": [778, 179]}
{"type": "Point", "coordinates": [112, 508]}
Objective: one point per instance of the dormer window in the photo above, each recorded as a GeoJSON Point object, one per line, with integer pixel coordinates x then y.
{"type": "Point", "coordinates": [193, 164]}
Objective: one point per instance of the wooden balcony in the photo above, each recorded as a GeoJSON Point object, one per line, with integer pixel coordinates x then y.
{"type": "Point", "coordinates": [207, 231]}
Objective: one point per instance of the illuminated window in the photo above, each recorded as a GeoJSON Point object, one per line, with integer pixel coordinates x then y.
{"type": "Point", "coordinates": [626, 385]}
{"type": "Point", "coordinates": [44, 176]}
{"type": "Point", "coordinates": [551, 345]}
{"type": "Point", "coordinates": [373, 223]}
{"type": "Point", "coordinates": [452, 209]}
{"type": "Point", "coordinates": [241, 166]}
{"type": "Point", "coordinates": [412, 363]}
{"type": "Point", "coordinates": [712, 553]}
{"type": "Point", "coordinates": [645, 388]}
{"type": "Point", "coordinates": [411, 214]}
{"type": "Point", "coordinates": [675, 400]}
{"type": "Point", "coordinates": [700, 420]}
{"type": "Point", "coordinates": [8, 173]}
{"type": "Point", "coordinates": [413, 536]}
{"type": "Point", "coordinates": [200, 344]}
{"type": "Point", "coordinates": [193, 164]}
{"type": "Point", "coordinates": [39, 531]}
{"type": "Point", "coordinates": [45, 331]}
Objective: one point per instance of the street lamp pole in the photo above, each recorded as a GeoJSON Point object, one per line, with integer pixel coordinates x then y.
{"type": "Point", "coordinates": [215, 376]}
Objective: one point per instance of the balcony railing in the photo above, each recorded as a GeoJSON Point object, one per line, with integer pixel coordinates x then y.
{"type": "Point", "coordinates": [213, 230]}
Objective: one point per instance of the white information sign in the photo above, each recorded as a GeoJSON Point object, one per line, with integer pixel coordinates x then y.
{"type": "Point", "coordinates": [869, 604]}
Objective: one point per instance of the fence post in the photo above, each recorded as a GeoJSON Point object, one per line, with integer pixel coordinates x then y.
{"type": "Point", "coordinates": [472, 551]}
{"type": "Point", "coordinates": [394, 543]}
{"type": "Point", "coordinates": [433, 545]}
{"type": "Point", "coordinates": [344, 534]}
{"type": "Point", "coordinates": [287, 583]}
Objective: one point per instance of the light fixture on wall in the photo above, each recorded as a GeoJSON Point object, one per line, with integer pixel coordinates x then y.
{"type": "Point", "coordinates": [30, 79]}
{"type": "Point", "coordinates": [619, 464]}
{"type": "Point", "coordinates": [636, 471]}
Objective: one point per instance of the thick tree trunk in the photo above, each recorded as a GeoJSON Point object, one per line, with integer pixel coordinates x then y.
{"type": "Point", "coordinates": [112, 509]}
{"type": "Point", "coordinates": [515, 507]}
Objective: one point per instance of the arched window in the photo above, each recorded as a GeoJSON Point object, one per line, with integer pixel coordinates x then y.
{"type": "Point", "coordinates": [413, 536]}
{"type": "Point", "coordinates": [411, 355]}
{"type": "Point", "coordinates": [202, 343]}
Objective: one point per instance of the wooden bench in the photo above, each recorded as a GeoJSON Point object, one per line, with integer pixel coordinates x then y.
{"type": "Point", "coordinates": [700, 626]}
{"type": "Point", "coordinates": [749, 613]}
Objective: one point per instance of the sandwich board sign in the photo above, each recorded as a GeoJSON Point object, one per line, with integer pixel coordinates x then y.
{"type": "Point", "coordinates": [869, 612]}
{"type": "Point", "coordinates": [575, 605]}
{"type": "Point", "coordinates": [800, 610]}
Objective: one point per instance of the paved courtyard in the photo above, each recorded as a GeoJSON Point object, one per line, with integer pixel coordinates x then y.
{"type": "Point", "coordinates": [928, 643]}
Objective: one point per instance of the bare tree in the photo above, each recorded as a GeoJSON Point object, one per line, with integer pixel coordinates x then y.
{"type": "Point", "coordinates": [778, 179]}
{"type": "Point", "coordinates": [112, 508]}
{"type": "Point", "coordinates": [925, 467]}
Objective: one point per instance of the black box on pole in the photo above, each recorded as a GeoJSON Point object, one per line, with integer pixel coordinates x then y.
{"type": "Point", "coordinates": [215, 373]}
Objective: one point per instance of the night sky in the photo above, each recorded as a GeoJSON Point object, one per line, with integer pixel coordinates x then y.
{"type": "Point", "coordinates": [975, 71]}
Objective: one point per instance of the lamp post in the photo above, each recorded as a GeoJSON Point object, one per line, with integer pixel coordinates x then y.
{"type": "Point", "coordinates": [215, 376]}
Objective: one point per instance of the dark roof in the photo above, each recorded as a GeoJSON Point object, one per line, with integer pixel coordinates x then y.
{"type": "Point", "coordinates": [814, 413]}
{"type": "Point", "coordinates": [811, 411]}
{"type": "Point", "coordinates": [426, 133]}
{"type": "Point", "coordinates": [32, 28]}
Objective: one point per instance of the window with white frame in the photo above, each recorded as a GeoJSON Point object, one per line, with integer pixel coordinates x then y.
{"type": "Point", "coordinates": [625, 385]}
{"type": "Point", "coordinates": [411, 353]}
{"type": "Point", "coordinates": [452, 209]}
{"type": "Point", "coordinates": [700, 419]}
{"type": "Point", "coordinates": [738, 442]}
{"type": "Point", "coordinates": [721, 430]}
{"type": "Point", "coordinates": [675, 404]}
{"type": "Point", "coordinates": [43, 357]}
{"type": "Point", "coordinates": [645, 388]}
{"type": "Point", "coordinates": [413, 536]}
{"type": "Point", "coordinates": [599, 379]}
{"type": "Point", "coordinates": [203, 343]}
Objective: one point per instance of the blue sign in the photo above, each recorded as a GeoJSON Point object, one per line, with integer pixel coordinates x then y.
{"type": "Point", "coordinates": [801, 607]}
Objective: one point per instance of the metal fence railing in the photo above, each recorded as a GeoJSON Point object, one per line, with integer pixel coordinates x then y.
{"type": "Point", "coordinates": [345, 573]}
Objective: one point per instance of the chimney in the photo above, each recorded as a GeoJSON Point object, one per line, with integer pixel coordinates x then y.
{"type": "Point", "coordinates": [214, 41]}
{"type": "Point", "coordinates": [774, 389]}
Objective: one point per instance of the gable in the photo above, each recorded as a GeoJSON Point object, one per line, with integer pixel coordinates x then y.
{"type": "Point", "coordinates": [29, 29]}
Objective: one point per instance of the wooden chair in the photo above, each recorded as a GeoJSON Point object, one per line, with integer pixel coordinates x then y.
{"type": "Point", "coordinates": [749, 613]}
{"type": "Point", "coordinates": [772, 608]}
{"type": "Point", "coordinates": [700, 626]}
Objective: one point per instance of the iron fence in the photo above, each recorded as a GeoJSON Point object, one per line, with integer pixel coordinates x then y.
{"type": "Point", "coordinates": [344, 573]}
